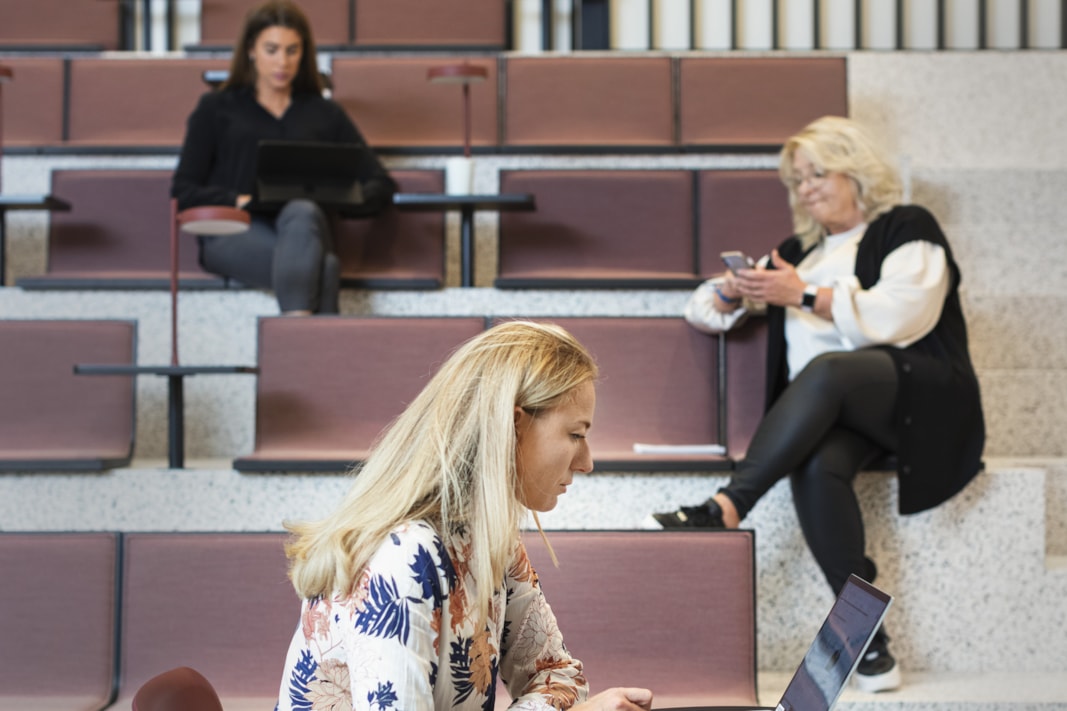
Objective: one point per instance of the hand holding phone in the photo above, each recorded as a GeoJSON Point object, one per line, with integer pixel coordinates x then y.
{"type": "Point", "coordinates": [737, 260]}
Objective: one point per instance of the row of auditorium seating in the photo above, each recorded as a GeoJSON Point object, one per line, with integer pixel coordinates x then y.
{"type": "Point", "coordinates": [622, 103]}
{"type": "Point", "coordinates": [229, 611]}
{"type": "Point", "coordinates": [662, 382]}
{"type": "Point", "coordinates": [116, 234]}
{"type": "Point", "coordinates": [95, 25]}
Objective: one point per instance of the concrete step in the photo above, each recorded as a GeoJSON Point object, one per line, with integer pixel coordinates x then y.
{"type": "Point", "coordinates": [947, 691]}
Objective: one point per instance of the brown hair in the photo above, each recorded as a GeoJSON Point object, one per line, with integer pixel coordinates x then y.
{"type": "Point", "coordinates": [275, 13]}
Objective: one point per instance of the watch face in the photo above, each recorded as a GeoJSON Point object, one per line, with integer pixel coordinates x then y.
{"type": "Point", "coordinates": [808, 300]}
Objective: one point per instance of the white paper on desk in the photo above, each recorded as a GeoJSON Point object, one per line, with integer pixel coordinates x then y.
{"type": "Point", "coordinates": [641, 448]}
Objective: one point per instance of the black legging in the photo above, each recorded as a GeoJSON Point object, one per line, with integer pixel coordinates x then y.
{"type": "Point", "coordinates": [292, 254]}
{"type": "Point", "coordinates": [834, 417]}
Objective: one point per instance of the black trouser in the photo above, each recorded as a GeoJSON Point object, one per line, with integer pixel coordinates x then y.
{"type": "Point", "coordinates": [834, 417]}
{"type": "Point", "coordinates": [292, 254]}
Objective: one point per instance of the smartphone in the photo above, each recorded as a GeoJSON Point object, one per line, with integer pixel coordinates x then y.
{"type": "Point", "coordinates": [737, 260]}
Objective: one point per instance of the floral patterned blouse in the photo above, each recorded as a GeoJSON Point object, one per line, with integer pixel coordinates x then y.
{"type": "Point", "coordinates": [405, 638]}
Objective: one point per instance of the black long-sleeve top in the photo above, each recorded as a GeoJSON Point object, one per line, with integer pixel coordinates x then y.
{"type": "Point", "coordinates": [218, 157]}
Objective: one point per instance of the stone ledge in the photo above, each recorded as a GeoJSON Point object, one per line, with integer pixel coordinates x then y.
{"type": "Point", "coordinates": [946, 691]}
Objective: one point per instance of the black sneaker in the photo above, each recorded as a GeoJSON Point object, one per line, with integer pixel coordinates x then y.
{"type": "Point", "coordinates": [707, 515]}
{"type": "Point", "coordinates": [877, 670]}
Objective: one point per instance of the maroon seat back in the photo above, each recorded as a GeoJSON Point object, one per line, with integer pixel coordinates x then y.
{"type": "Point", "coordinates": [396, 249]}
{"type": "Point", "coordinates": [674, 611]}
{"type": "Point", "coordinates": [33, 101]}
{"type": "Point", "coordinates": [658, 385]}
{"type": "Point", "coordinates": [429, 24]}
{"type": "Point", "coordinates": [588, 101]}
{"type": "Point", "coordinates": [393, 104]}
{"type": "Point", "coordinates": [116, 234]}
{"type": "Point", "coordinates": [327, 387]}
{"type": "Point", "coordinates": [745, 210]}
{"type": "Point", "coordinates": [746, 377]}
{"type": "Point", "coordinates": [221, 21]}
{"type": "Point", "coordinates": [756, 101]}
{"type": "Point", "coordinates": [134, 102]}
{"type": "Point", "coordinates": [58, 608]}
{"type": "Point", "coordinates": [55, 24]}
{"type": "Point", "coordinates": [221, 602]}
{"type": "Point", "coordinates": [53, 419]}
{"type": "Point", "coordinates": [599, 228]}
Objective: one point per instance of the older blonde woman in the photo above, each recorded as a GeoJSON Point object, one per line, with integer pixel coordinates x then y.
{"type": "Point", "coordinates": [417, 590]}
{"type": "Point", "coordinates": [867, 354]}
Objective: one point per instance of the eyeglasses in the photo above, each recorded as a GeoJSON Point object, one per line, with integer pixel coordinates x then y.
{"type": "Point", "coordinates": [814, 179]}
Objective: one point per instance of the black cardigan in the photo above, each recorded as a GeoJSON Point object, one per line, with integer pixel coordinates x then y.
{"type": "Point", "coordinates": [938, 414]}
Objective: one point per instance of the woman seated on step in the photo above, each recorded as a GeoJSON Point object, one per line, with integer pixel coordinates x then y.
{"type": "Point", "coordinates": [866, 355]}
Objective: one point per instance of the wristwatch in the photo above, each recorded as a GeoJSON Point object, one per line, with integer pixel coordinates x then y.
{"type": "Point", "coordinates": [807, 302]}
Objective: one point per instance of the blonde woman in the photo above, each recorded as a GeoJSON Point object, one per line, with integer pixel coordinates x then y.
{"type": "Point", "coordinates": [417, 590]}
{"type": "Point", "coordinates": [867, 354]}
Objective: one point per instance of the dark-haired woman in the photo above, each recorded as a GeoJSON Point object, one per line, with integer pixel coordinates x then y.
{"type": "Point", "coordinates": [274, 92]}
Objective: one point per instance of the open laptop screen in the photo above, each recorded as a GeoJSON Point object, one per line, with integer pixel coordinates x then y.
{"type": "Point", "coordinates": [836, 650]}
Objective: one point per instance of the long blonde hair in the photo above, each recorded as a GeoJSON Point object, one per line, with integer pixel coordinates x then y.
{"type": "Point", "coordinates": [448, 459]}
{"type": "Point", "coordinates": [835, 144]}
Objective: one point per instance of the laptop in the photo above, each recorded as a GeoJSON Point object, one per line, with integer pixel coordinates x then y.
{"type": "Point", "coordinates": [834, 654]}
{"type": "Point", "coordinates": [330, 174]}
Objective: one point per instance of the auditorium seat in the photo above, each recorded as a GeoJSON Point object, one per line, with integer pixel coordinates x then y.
{"type": "Point", "coordinates": [56, 25]}
{"type": "Point", "coordinates": [58, 614]}
{"type": "Point", "coordinates": [659, 384]}
{"type": "Point", "coordinates": [395, 106]}
{"type": "Point", "coordinates": [220, 603]}
{"type": "Point", "coordinates": [744, 396]}
{"type": "Point", "coordinates": [221, 21]}
{"type": "Point", "coordinates": [675, 610]}
{"type": "Point", "coordinates": [395, 249]}
{"type": "Point", "coordinates": [614, 229]}
{"type": "Point", "coordinates": [574, 101]}
{"type": "Point", "coordinates": [746, 210]}
{"type": "Point", "coordinates": [756, 101]}
{"type": "Point", "coordinates": [52, 419]}
{"type": "Point", "coordinates": [116, 234]}
{"type": "Point", "coordinates": [134, 103]}
{"type": "Point", "coordinates": [328, 386]}
{"type": "Point", "coordinates": [430, 25]}
{"type": "Point", "coordinates": [33, 102]}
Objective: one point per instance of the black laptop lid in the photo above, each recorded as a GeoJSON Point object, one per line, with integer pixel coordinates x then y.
{"type": "Point", "coordinates": [330, 174]}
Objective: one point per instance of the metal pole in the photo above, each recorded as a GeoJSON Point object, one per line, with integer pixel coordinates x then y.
{"type": "Point", "coordinates": [173, 281]}
{"type": "Point", "coordinates": [466, 119]}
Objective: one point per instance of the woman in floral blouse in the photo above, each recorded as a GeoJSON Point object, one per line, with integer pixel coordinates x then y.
{"type": "Point", "coordinates": [417, 592]}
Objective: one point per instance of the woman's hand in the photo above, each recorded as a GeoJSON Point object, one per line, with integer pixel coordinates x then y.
{"type": "Point", "coordinates": [617, 699]}
{"type": "Point", "coordinates": [727, 296]}
{"type": "Point", "coordinates": [243, 200]}
{"type": "Point", "coordinates": [781, 286]}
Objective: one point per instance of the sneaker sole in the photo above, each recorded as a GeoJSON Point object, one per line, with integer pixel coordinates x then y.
{"type": "Point", "coordinates": [872, 684]}
{"type": "Point", "coordinates": [650, 524]}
